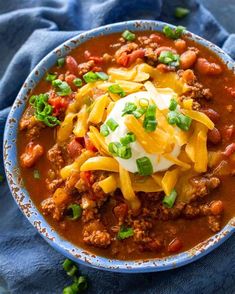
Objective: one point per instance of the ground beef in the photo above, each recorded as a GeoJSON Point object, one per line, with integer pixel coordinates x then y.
{"type": "Point", "coordinates": [52, 185]}
{"type": "Point", "coordinates": [151, 56]}
{"type": "Point", "coordinates": [89, 214]}
{"type": "Point", "coordinates": [49, 208]}
{"type": "Point", "coordinates": [201, 186]}
{"type": "Point", "coordinates": [85, 67]}
{"type": "Point", "coordinates": [54, 155]}
{"type": "Point", "coordinates": [165, 213]}
{"type": "Point", "coordinates": [214, 223]}
{"type": "Point", "coordinates": [94, 233]}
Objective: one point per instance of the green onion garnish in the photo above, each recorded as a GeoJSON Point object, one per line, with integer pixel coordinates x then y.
{"type": "Point", "coordinates": [77, 82]}
{"type": "Point", "coordinates": [129, 36]}
{"type": "Point", "coordinates": [43, 110]}
{"type": "Point", "coordinates": [129, 108]}
{"type": "Point", "coordinates": [70, 268]}
{"type": "Point", "coordinates": [169, 58]}
{"type": "Point", "coordinates": [113, 148]}
{"type": "Point", "coordinates": [124, 152]}
{"type": "Point", "coordinates": [76, 211]}
{"type": "Point", "coordinates": [182, 121]}
{"type": "Point", "coordinates": [125, 232]}
{"type": "Point", "coordinates": [82, 283]}
{"type": "Point", "coordinates": [63, 89]}
{"type": "Point", "coordinates": [173, 104]}
{"type": "Point", "coordinates": [150, 122]}
{"type": "Point", "coordinates": [181, 12]}
{"type": "Point", "coordinates": [50, 77]}
{"type": "Point", "coordinates": [129, 138]}
{"type": "Point", "coordinates": [60, 62]}
{"type": "Point", "coordinates": [169, 200]}
{"type": "Point", "coordinates": [116, 89]}
{"type": "Point", "coordinates": [36, 174]}
{"type": "Point", "coordinates": [144, 166]}
{"type": "Point", "coordinates": [102, 75]}
{"type": "Point", "coordinates": [143, 102]}
{"type": "Point", "coordinates": [173, 33]}
{"type": "Point", "coordinates": [90, 77]}
{"type": "Point", "coordinates": [104, 130]}
{"type": "Point", "coordinates": [139, 112]}
{"type": "Point", "coordinates": [112, 124]}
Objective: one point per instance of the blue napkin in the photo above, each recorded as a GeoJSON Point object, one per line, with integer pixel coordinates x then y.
{"type": "Point", "coordinates": [28, 31]}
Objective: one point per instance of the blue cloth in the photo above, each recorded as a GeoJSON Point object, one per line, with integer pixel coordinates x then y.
{"type": "Point", "coordinates": [28, 30]}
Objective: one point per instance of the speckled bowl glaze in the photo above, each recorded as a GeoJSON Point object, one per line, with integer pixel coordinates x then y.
{"type": "Point", "coordinates": [22, 197]}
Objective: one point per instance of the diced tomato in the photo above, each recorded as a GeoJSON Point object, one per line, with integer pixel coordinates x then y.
{"type": "Point", "coordinates": [89, 145]}
{"type": "Point", "coordinates": [72, 65]}
{"type": "Point", "coordinates": [123, 59]}
{"type": "Point", "coordinates": [96, 59]}
{"type": "Point", "coordinates": [86, 177]}
{"type": "Point", "coordinates": [74, 148]}
{"type": "Point", "coordinates": [59, 104]}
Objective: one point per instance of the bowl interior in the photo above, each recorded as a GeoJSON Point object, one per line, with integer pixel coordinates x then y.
{"type": "Point", "coordinates": [22, 197]}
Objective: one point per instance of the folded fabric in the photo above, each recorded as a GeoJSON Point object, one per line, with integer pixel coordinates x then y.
{"type": "Point", "coordinates": [28, 31]}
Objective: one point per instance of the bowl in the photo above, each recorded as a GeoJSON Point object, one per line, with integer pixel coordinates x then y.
{"type": "Point", "coordinates": [22, 197]}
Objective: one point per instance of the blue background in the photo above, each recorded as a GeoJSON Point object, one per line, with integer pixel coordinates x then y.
{"type": "Point", "coordinates": [30, 29]}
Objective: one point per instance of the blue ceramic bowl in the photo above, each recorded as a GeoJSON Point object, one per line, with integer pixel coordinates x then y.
{"type": "Point", "coordinates": [22, 197]}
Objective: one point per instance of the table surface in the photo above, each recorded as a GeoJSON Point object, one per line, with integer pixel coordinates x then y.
{"type": "Point", "coordinates": [224, 11]}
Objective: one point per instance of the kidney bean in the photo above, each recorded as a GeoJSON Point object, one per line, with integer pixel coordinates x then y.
{"type": "Point", "coordinates": [31, 154]}
{"type": "Point", "coordinates": [72, 65]}
{"type": "Point", "coordinates": [74, 148]}
{"type": "Point", "coordinates": [139, 53]}
{"type": "Point", "coordinates": [164, 48]}
{"type": "Point", "coordinates": [228, 132]}
{"type": "Point", "coordinates": [208, 68]}
{"type": "Point", "coordinates": [69, 79]}
{"type": "Point", "coordinates": [212, 114]}
{"type": "Point", "coordinates": [187, 59]}
{"type": "Point", "coordinates": [217, 207]}
{"type": "Point", "coordinates": [175, 245]}
{"type": "Point", "coordinates": [214, 136]}
{"type": "Point", "coordinates": [229, 150]}
{"type": "Point", "coordinates": [157, 38]}
{"type": "Point", "coordinates": [180, 45]}
{"type": "Point", "coordinates": [164, 68]}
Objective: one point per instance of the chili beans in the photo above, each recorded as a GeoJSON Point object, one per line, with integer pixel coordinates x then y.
{"type": "Point", "coordinates": [175, 245]}
{"type": "Point", "coordinates": [72, 65]}
{"type": "Point", "coordinates": [180, 45]}
{"type": "Point", "coordinates": [208, 68]}
{"type": "Point", "coordinates": [214, 136]}
{"type": "Point", "coordinates": [74, 148]}
{"type": "Point", "coordinates": [217, 207]}
{"type": "Point", "coordinates": [229, 150]}
{"type": "Point", "coordinates": [212, 114]}
{"type": "Point", "coordinates": [187, 59]}
{"type": "Point", "coordinates": [32, 153]}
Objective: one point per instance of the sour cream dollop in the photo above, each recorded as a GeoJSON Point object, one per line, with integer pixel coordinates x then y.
{"type": "Point", "coordinates": [159, 163]}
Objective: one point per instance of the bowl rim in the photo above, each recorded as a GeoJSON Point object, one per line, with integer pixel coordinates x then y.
{"type": "Point", "coordinates": [22, 197]}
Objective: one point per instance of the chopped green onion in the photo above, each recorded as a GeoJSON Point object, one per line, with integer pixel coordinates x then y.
{"type": "Point", "coordinates": [169, 58]}
{"type": "Point", "coordinates": [90, 77]}
{"type": "Point", "coordinates": [63, 89]}
{"type": "Point", "coordinates": [70, 267]}
{"type": "Point", "coordinates": [181, 12]}
{"type": "Point", "coordinates": [72, 289]}
{"type": "Point", "coordinates": [144, 166]}
{"type": "Point", "coordinates": [36, 174]}
{"type": "Point", "coordinates": [182, 121]}
{"type": "Point", "coordinates": [139, 112]}
{"type": "Point", "coordinates": [1, 178]}
{"type": "Point", "coordinates": [125, 233]}
{"type": "Point", "coordinates": [129, 138]}
{"type": "Point", "coordinates": [129, 36]}
{"type": "Point", "coordinates": [175, 33]}
{"type": "Point", "coordinates": [169, 200]}
{"type": "Point", "coordinates": [102, 75]}
{"type": "Point", "coordinates": [50, 77]}
{"type": "Point", "coordinates": [116, 89]}
{"type": "Point", "coordinates": [60, 62]}
{"type": "Point", "coordinates": [113, 148]}
{"type": "Point", "coordinates": [76, 211]}
{"type": "Point", "coordinates": [104, 130]}
{"type": "Point", "coordinates": [129, 108]}
{"type": "Point", "coordinates": [112, 124]}
{"type": "Point", "coordinates": [173, 104]}
{"type": "Point", "coordinates": [82, 283]}
{"type": "Point", "coordinates": [124, 152]}
{"type": "Point", "coordinates": [150, 122]}
{"type": "Point", "coordinates": [77, 82]}
{"type": "Point", "coordinates": [43, 110]}
{"type": "Point", "coordinates": [143, 102]}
